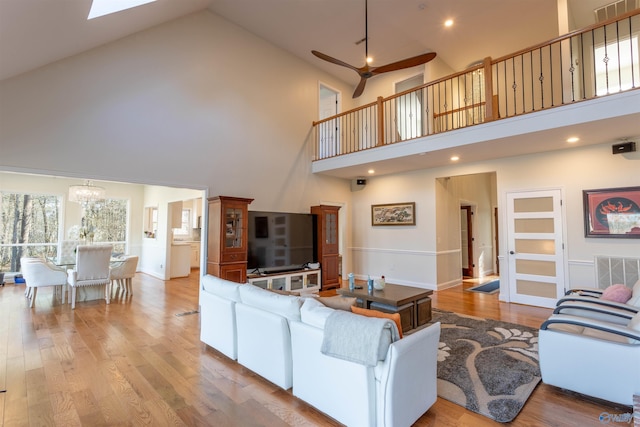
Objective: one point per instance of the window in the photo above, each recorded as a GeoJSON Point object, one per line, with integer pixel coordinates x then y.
{"type": "Point", "coordinates": [185, 229]}
{"type": "Point", "coordinates": [106, 7]}
{"type": "Point", "coordinates": [29, 226]}
{"type": "Point", "coordinates": [617, 65]}
{"type": "Point", "coordinates": [103, 222]}
{"type": "Point", "coordinates": [150, 222]}
{"type": "Point", "coordinates": [409, 108]}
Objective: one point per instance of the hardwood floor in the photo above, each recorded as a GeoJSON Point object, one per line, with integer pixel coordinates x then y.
{"type": "Point", "coordinates": [138, 361]}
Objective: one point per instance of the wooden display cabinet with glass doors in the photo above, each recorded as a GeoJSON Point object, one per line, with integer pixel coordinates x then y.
{"type": "Point", "coordinates": [227, 238]}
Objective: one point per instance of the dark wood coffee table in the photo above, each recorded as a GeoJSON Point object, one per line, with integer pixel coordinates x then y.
{"type": "Point", "coordinates": [413, 304]}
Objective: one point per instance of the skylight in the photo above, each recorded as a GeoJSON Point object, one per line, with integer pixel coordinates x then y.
{"type": "Point", "coordinates": [105, 7]}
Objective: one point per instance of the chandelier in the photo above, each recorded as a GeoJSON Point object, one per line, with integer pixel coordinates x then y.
{"type": "Point", "coordinates": [86, 193]}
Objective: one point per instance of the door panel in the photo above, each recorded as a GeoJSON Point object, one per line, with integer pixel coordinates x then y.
{"type": "Point", "coordinates": [536, 253]}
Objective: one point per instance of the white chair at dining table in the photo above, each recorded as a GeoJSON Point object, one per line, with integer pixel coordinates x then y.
{"type": "Point", "coordinates": [91, 269]}
{"type": "Point", "coordinates": [37, 272]}
{"type": "Point", "coordinates": [122, 274]}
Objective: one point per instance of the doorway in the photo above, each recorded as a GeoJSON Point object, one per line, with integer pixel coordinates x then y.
{"type": "Point", "coordinates": [330, 104]}
{"type": "Point", "coordinates": [466, 240]}
{"type": "Point", "coordinates": [464, 226]}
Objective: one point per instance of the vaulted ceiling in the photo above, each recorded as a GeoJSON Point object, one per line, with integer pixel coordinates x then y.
{"type": "Point", "coordinates": [34, 33]}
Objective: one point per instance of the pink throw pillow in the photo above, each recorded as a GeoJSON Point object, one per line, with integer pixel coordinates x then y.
{"type": "Point", "coordinates": [617, 293]}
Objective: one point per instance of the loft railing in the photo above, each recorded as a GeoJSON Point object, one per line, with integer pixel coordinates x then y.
{"type": "Point", "coordinates": [596, 61]}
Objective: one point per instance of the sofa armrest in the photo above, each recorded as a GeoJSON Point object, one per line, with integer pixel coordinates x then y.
{"type": "Point", "coordinates": [407, 382]}
{"type": "Point", "coordinates": [594, 311]}
{"type": "Point", "coordinates": [218, 324]}
{"type": "Point", "coordinates": [586, 291]}
{"type": "Point", "coordinates": [630, 308]}
{"type": "Point", "coordinates": [621, 330]}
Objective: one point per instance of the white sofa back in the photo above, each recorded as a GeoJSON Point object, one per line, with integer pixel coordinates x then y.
{"type": "Point", "coordinates": [218, 298]}
{"type": "Point", "coordinates": [264, 339]}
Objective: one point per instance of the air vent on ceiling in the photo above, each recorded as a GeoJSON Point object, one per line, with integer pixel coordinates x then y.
{"type": "Point", "coordinates": [615, 9]}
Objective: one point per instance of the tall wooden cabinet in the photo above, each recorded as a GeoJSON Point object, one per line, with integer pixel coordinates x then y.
{"type": "Point", "coordinates": [328, 247]}
{"type": "Point", "coordinates": [227, 238]}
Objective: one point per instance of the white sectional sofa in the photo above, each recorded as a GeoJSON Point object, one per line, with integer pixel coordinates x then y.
{"type": "Point", "coordinates": [280, 337]}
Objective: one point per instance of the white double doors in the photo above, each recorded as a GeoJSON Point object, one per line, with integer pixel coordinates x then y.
{"type": "Point", "coordinates": [535, 247]}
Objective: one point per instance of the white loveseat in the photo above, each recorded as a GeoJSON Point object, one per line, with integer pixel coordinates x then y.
{"type": "Point", "coordinates": [279, 337]}
{"type": "Point", "coordinates": [592, 357]}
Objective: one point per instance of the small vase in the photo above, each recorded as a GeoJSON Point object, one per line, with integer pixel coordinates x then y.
{"type": "Point", "coordinates": [379, 284]}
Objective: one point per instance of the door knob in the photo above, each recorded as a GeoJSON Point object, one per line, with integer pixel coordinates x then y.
{"type": "Point", "coordinates": [512, 253]}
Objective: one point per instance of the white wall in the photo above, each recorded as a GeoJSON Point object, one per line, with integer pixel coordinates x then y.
{"type": "Point", "coordinates": [410, 255]}
{"type": "Point", "coordinates": [194, 103]}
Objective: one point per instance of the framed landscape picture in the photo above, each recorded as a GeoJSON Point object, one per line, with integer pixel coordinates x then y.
{"type": "Point", "coordinates": [394, 214]}
{"type": "Point", "coordinates": [612, 212]}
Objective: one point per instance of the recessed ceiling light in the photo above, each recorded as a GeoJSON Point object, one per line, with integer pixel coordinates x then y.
{"type": "Point", "coordinates": [455, 158]}
{"type": "Point", "coordinates": [371, 171]}
{"type": "Point", "coordinates": [573, 139]}
{"type": "Point", "coordinates": [448, 23]}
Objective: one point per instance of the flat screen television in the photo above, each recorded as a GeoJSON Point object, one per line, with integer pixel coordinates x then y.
{"type": "Point", "coordinates": [280, 241]}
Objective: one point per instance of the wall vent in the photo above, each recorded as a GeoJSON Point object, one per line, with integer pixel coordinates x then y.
{"type": "Point", "coordinates": [615, 9]}
{"type": "Point", "coordinates": [614, 270]}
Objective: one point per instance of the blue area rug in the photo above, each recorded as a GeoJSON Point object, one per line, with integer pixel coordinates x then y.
{"type": "Point", "coordinates": [487, 288]}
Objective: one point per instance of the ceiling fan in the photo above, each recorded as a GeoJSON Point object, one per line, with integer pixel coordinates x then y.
{"type": "Point", "coordinates": [365, 72]}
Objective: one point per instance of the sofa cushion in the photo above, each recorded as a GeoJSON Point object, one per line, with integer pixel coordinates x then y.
{"type": "Point", "coordinates": [338, 302]}
{"type": "Point", "coordinates": [222, 288]}
{"type": "Point", "coordinates": [375, 313]}
{"type": "Point", "coordinates": [284, 305]}
{"type": "Point", "coordinates": [617, 293]}
{"type": "Point", "coordinates": [314, 313]}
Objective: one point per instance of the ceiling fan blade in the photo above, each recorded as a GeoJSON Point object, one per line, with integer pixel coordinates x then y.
{"type": "Point", "coordinates": [360, 88]}
{"type": "Point", "coordinates": [333, 60]}
{"type": "Point", "coordinates": [405, 63]}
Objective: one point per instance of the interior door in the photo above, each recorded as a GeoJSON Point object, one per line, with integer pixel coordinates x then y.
{"type": "Point", "coordinates": [466, 240]}
{"type": "Point", "coordinates": [535, 238]}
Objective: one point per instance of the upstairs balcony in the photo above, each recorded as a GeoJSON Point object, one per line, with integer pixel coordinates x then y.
{"type": "Point", "coordinates": [529, 101]}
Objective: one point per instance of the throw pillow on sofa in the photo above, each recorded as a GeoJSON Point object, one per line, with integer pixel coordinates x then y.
{"type": "Point", "coordinates": [380, 314]}
{"type": "Point", "coordinates": [284, 305]}
{"type": "Point", "coordinates": [616, 293]}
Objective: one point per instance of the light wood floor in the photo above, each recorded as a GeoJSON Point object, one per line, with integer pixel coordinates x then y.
{"type": "Point", "coordinates": [135, 362]}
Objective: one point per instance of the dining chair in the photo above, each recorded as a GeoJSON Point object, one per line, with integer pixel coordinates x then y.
{"type": "Point", "coordinates": [91, 269]}
{"type": "Point", "coordinates": [38, 273]}
{"type": "Point", "coordinates": [123, 272]}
